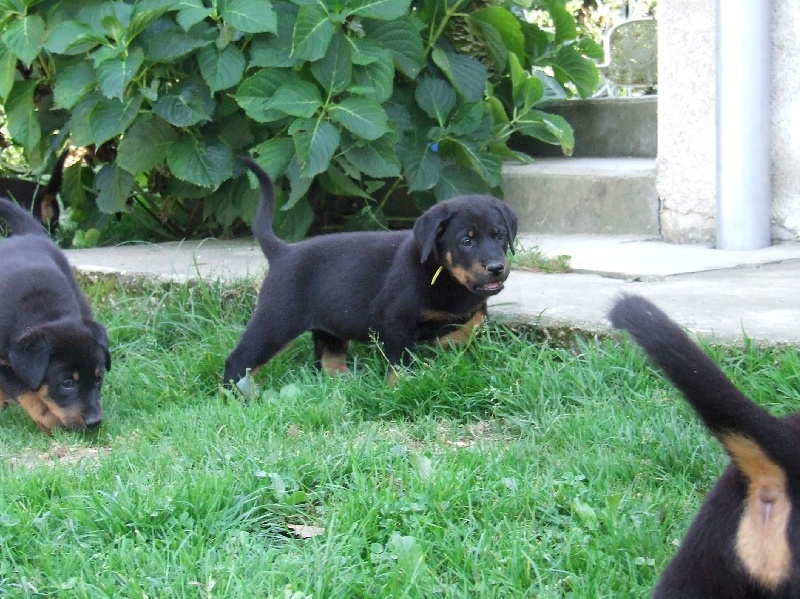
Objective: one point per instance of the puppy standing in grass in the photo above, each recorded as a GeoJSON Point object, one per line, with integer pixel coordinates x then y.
{"type": "Point", "coordinates": [745, 541]}
{"type": "Point", "coordinates": [52, 353]}
{"type": "Point", "coordinates": [402, 286]}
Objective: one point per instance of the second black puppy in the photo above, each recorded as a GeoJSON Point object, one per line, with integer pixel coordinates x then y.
{"type": "Point", "coordinates": [52, 353]}
{"type": "Point", "coordinates": [40, 199]}
{"type": "Point", "coordinates": [745, 541]}
{"type": "Point", "coordinates": [403, 287]}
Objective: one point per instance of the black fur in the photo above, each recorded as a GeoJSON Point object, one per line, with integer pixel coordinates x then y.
{"type": "Point", "coordinates": [404, 286]}
{"type": "Point", "coordinates": [52, 353]}
{"type": "Point", "coordinates": [39, 199]}
{"type": "Point", "coordinates": [745, 541]}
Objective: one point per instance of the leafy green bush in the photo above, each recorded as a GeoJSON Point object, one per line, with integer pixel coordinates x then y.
{"type": "Point", "coordinates": [362, 99]}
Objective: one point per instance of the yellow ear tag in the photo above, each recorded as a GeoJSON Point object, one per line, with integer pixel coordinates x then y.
{"type": "Point", "coordinates": [436, 274]}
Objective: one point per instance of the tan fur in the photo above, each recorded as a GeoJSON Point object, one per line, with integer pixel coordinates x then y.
{"type": "Point", "coordinates": [761, 541]}
{"type": "Point", "coordinates": [46, 413]}
{"type": "Point", "coordinates": [333, 363]}
{"type": "Point", "coordinates": [464, 332]}
{"type": "Point", "coordinates": [463, 275]}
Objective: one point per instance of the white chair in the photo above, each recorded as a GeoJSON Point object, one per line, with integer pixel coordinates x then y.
{"type": "Point", "coordinates": [631, 57]}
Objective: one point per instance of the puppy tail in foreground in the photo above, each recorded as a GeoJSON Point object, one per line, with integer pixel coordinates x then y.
{"type": "Point", "coordinates": [19, 220]}
{"type": "Point", "coordinates": [732, 417]}
{"type": "Point", "coordinates": [262, 224]}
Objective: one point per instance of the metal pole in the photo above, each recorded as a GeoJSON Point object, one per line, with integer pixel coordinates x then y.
{"type": "Point", "coordinates": [743, 124]}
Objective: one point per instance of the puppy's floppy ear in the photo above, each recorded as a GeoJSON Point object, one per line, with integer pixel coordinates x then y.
{"type": "Point", "coordinates": [428, 228]}
{"type": "Point", "coordinates": [99, 333]}
{"type": "Point", "coordinates": [510, 220]}
{"type": "Point", "coordinates": [29, 356]}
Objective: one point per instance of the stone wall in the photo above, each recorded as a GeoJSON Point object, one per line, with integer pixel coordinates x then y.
{"type": "Point", "coordinates": [686, 120]}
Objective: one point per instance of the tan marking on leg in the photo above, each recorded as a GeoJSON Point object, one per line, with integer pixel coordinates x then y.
{"type": "Point", "coordinates": [393, 377]}
{"type": "Point", "coordinates": [333, 363]}
{"type": "Point", "coordinates": [47, 211]}
{"type": "Point", "coordinates": [761, 541]}
{"type": "Point", "coordinates": [3, 399]}
{"type": "Point", "coordinates": [464, 332]}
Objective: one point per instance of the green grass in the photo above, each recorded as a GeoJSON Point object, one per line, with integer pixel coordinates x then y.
{"type": "Point", "coordinates": [503, 468]}
{"type": "Point", "coordinates": [532, 258]}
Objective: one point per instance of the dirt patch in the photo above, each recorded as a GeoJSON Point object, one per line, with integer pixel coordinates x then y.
{"type": "Point", "coordinates": [58, 454]}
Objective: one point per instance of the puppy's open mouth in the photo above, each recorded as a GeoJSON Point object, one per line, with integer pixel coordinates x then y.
{"type": "Point", "coordinates": [489, 288]}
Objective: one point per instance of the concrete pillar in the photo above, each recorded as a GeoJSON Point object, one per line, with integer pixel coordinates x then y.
{"type": "Point", "coordinates": [686, 120]}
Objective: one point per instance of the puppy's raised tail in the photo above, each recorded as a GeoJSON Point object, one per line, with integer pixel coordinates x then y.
{"type": "Point", "coordinates": [262, 225]}
{"type": "Point", "coordinates": [57, 176]}
{"type": "Point", "coordinates": [751, 435]}
{"type": "Point", "coordinates": [19, 220]}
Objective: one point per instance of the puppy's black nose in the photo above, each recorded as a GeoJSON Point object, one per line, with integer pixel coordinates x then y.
{"type": "Point", "coordinates": [496, 268]}
{"type": "Point", "coordinates": [92, 421]}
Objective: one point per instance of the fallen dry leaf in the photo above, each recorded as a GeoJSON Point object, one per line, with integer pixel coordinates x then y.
{"type": "Point", "coordinates": [306, 532]}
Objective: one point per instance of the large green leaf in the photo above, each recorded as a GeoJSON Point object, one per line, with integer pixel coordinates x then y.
{"type": "Point", "coordinates": [385, 10]}
{"type": "Point", "coordinates": [187, 103]}
{"type": "Point", "coordinates": [145, 12]}
{"type": "Point", "coordinates": [255, 93]}
{"type": "Point", "coordinates": [204, 162]}
{"type": "Point", "coordinates": [8, 64]}
{"type": "Point", "coordinates": [436, 97]}
{"type": "Point", "coordinates": [456, 181]}
{"type": "Point", "coordinates": [315, 141]}
{"type": "Point", "coordinates": [22, 122]}
{"type": "Point", "coordinates": [334, 71]}
{"type": "Point", "coordinates": [146, 144]}
{"type": "Point", "coordinates": [115, 74]}
{"type": "Point", "coordinates": [221, 69]}
{"type": "Point", "coordinates": [313, 31]}
{"type": "Point", "coordinates": [498, 23]}
{"type": "Point", "coordinates": [373, 73]}
{"type": "Point", "coordinates": [422, 165]}
{"type": "Point", "coordinates": [114, 186]}
{"type": "Point", "coordinates": [73, 83]}
{"type": "Point", "coordinates": [25, 37]}
{"type": "Point", "coordinates": [166, 42]}
{"type": "Point", "coordinates": [191, 12]}
{"type": "Point", "coordinates": [565, 24]}
{"type": "Point", "coordinates": [377, 159]}
{"type": "Point", "coordinates": [72, 38]}
{"type": "Point", "coordinates": [275, 50]}
{"type": "Point", "coordinates": [570, 65]}
{"type": "Point", "coordinates": [402, 38]}
{"type": "Point", "coordinates": [550, 128]}
{"type": "Point", "coordinates": [250, 16]}
{"type": "Point", "coordinates": [361, 116]}
{"type": "Point", "coordinates": [468, 75]}
{"type": "Point", "coordinates": [274, 155]}
{"type": "Point", "coordinates": [469, 155]}
{"type": "Point", "coordinates": [96, 119]}
{"type": "Point", "coordinates": [297, 98]}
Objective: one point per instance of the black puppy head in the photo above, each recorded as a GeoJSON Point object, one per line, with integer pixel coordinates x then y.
{"type": "Point", "coordinates": [469, 236]}
{"type": "Point", "coordinates": [61, 365]}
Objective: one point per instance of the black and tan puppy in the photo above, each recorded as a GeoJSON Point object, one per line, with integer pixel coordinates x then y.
{"type": "Point", "coordinates": [403, 287]}
{"type": "Point", "coordinates": [40, 199]}
{"type": "Point", "coordinates": [53, 355]}
{"type": "Point", "coordinates": [745, 541]}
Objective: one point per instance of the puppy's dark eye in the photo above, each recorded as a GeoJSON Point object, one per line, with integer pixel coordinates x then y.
{"type": "Point", "coordinates": [67, 384]}
{"type": "Point", "coordinates": [467, 242]}
{"type": "Point", "coordinates": [499, 236]}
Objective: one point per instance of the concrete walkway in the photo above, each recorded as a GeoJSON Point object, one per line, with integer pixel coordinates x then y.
{"type": "Point", "coordinates": [717, 293]}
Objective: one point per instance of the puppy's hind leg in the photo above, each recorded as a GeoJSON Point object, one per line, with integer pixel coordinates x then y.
{"type": "Point", "coordinates": [330, 352]}
{"type": "Point", "coordinates": [267, 333]}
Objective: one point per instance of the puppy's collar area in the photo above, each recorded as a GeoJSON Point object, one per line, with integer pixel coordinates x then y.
{"type": "Point", "coordinates": [436, 274]}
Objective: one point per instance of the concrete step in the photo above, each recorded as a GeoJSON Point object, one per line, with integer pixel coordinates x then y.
{"type": "Point", "coordinates": [566, 196]}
